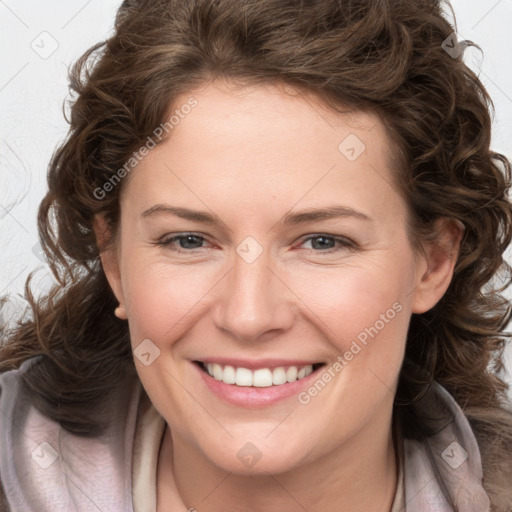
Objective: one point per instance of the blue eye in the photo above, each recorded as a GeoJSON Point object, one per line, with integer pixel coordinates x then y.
{"type": "Point", "coordinates": [320, 243]}
{"type": "Point", "coordinates": [187, 242]}
{"type": "Point", "coordinates": [327, 243]}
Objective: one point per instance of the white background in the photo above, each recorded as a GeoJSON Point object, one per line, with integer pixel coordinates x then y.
{"type": "Point", "coordinates": [33, 88]}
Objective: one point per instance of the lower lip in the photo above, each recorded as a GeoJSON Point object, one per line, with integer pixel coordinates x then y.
{"type": "Point", "coordinates": [254, 397]}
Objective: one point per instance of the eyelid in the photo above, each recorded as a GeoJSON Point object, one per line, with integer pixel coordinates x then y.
{"type": "Point", "coordinates": [181, 234]}
{"type": "Point", "coordinates": [168, 238]}
{"type": "Point", "coordinates": [344, 242]}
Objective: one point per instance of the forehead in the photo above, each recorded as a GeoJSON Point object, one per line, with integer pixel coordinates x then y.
{"type": "Point", "coordinates": [279, 105]}
{"type": "Point", "coordinates": [268, 141]}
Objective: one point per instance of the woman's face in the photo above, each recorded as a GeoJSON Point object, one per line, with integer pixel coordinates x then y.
{"type": "Point", "coordinates": [266, 239]}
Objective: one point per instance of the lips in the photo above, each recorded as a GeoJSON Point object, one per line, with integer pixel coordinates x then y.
{"type": "Point", "coordinates": [249, 383]}
{"type": "Point", "coordinates": [257, 377]}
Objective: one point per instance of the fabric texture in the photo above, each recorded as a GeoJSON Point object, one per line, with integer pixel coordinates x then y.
{"type": "Point", "coordinates": [44, 468]}
{"type": "Point", "coordinates": [399, 501]}
{"type": "Point", "coordinates": [148, 439]}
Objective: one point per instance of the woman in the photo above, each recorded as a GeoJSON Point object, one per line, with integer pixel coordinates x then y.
{"type": "Point", "coordinates": [277, 228]}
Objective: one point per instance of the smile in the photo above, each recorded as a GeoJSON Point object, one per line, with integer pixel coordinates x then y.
{"type": "Point", "coordinates": [260, 377]}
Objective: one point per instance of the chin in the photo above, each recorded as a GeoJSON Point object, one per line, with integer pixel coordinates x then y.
{"type": "Point", "coordinates": [255, 458]}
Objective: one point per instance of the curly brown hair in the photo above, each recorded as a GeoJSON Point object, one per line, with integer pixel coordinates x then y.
{"type": "Point", "coordinates": [387, 57]}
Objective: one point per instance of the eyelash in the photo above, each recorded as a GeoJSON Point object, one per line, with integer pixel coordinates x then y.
{"type": "Point", "coordinates": [343, 242]}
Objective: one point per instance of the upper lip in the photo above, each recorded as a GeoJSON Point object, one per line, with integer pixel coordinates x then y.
{"type": "Point", "coordinates": [253, 364]}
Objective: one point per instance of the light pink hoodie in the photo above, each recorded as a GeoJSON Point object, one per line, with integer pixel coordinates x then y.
{"type": "Point", "coordinates": [44, 468]}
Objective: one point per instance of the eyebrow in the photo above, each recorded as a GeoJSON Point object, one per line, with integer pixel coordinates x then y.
{"type": "Point", "coordinates": [184, 213]}
{"type": "Point", "coordinates": [330, 212]}
{"type": "Point", "coordinates": [303, 217]}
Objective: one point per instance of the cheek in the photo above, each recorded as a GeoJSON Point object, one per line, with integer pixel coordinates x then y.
{"type": "Point", "coordinates": [347, 302]}
{"type": "Point", "coordinates": [163, 303]}
{"type": "Point", "coordinates": [363, 314]}
{"type": "Point", "coordinates": [161, 297]}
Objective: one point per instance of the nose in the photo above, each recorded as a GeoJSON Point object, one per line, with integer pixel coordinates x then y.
{"type": "Point", "coordinates": [254, 303]}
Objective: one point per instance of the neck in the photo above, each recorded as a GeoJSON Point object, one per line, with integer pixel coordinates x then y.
{"type": "Point", "coordinates": [359, 476]}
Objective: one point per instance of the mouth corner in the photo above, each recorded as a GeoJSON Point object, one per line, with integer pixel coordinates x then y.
{"type": "Point", "coordinates": [201, 365]}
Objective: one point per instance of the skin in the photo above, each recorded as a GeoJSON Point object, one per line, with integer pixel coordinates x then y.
{"type": "Point", "coordinates": [250, 156]}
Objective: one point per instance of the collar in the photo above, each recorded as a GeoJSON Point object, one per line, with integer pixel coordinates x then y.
{"type": "Point", "coordinates": [443, 471]}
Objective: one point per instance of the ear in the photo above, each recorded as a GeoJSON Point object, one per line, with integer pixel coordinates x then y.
{"type": "Point", "coordinates": [108, 255]}
{"type": "Point", "coordinates": [437, 264]}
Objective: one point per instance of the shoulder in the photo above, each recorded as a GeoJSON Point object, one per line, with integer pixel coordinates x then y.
{"type": "Point", "coordinates": [493, 430]}
{"type": "Point", "coordinates": [444, 467]}
{"type": "Point", "coordinates": [44, 468]}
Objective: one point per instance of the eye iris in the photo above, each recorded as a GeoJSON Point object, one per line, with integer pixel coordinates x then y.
{"type": "Point", "coordinates": [188, 240]}
{"type": "Point", "coordinates": [323, 244]}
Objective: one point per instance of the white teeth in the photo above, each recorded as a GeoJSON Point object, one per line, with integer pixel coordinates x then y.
{"type": "Point", "coordinates": [229, 376]}
{"type": "Point", "coordinates": [291, 373]}
{"type": "Point", "coordinates": [243, 377]}
{"type": "Point", "coordinates": [278, 376]}
{"type": "Point", "coordinates": [261, 378]}
{"type": "Point", "coordinates": [217, 371]}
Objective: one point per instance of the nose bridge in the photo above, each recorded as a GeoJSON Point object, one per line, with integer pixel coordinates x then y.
{"type": "Point", "coordinates": [253, 301]}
